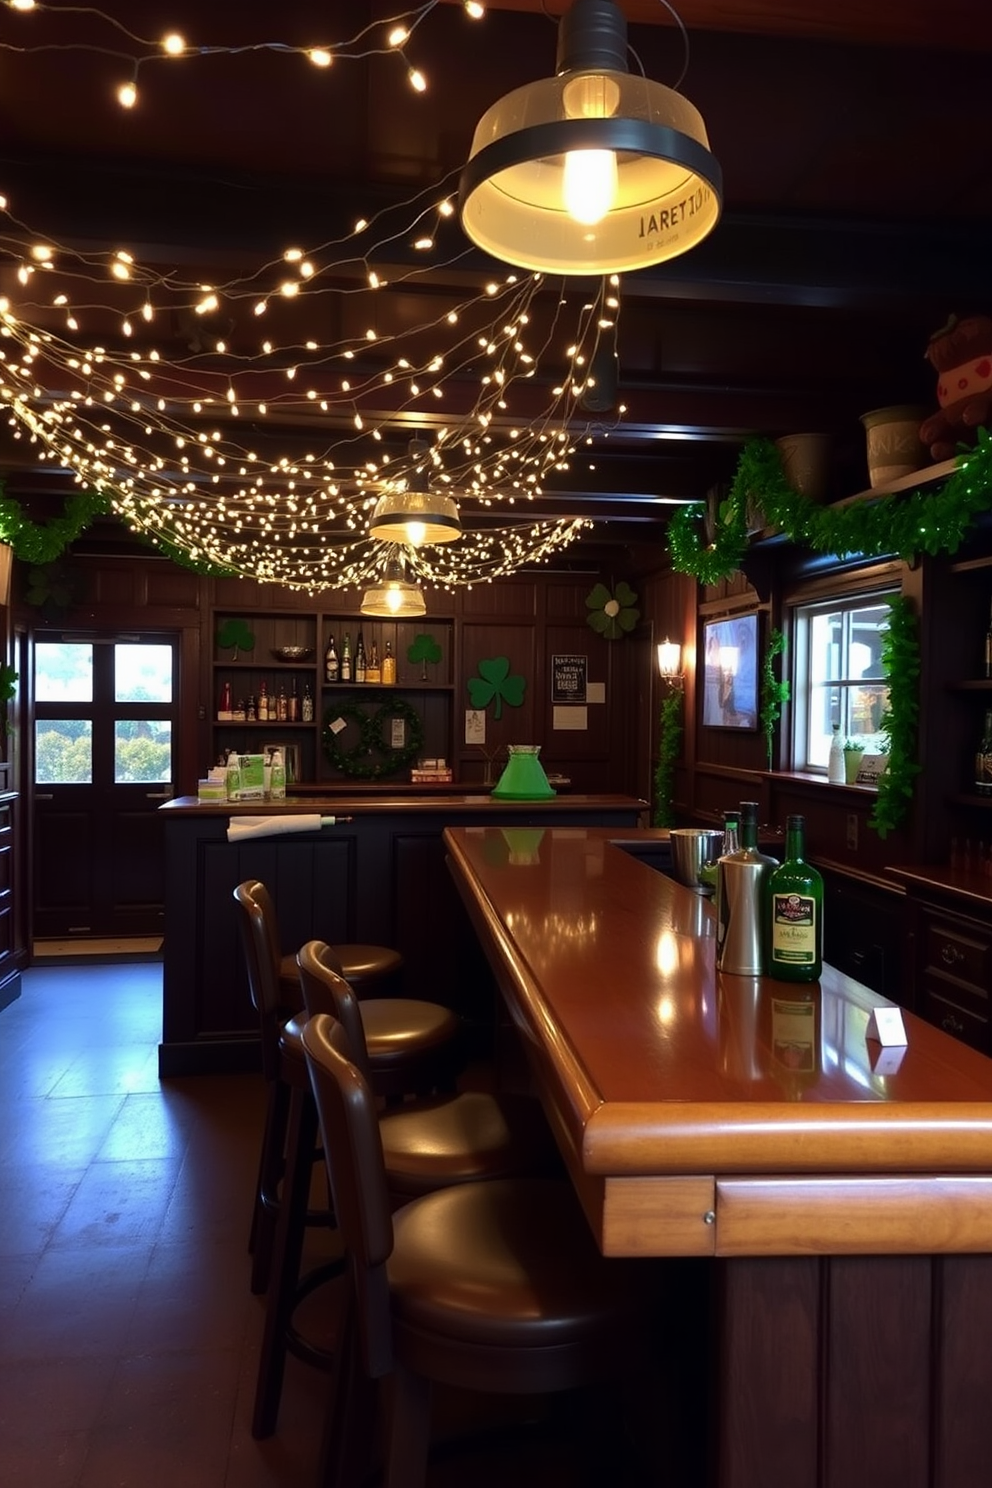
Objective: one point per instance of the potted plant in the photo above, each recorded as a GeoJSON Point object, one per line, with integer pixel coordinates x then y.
{"type": "Point", "coordinates": [852, 759]}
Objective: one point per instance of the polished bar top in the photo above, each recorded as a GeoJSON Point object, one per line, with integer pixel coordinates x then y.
{"type": "Point", "coordinates": [651, 1062]}
{"type": "Point", "coordinates": [453, 802]}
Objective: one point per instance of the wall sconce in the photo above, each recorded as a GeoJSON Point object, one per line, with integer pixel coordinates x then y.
{"type": "Point", "coordinates": [670, 662]}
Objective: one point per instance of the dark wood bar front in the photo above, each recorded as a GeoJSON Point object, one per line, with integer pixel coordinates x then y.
{"type": "Point", "coordinates": [374, 873]}
{"type": "Point", "coordinates": [842, 1192]}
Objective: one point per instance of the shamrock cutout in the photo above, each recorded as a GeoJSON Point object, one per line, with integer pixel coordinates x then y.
{"type": "Point", "coordinates": [235, 633]}
{"type": "Point", "coordinates": [494, 681]}
{"type": "Point", "coordinates": [424, 649]}
{"type": "Point", "coordinates": [612, 615]}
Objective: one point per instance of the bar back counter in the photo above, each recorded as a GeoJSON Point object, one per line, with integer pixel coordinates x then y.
{"type": "Point", "coordinates": [841, 1192]}
{"type": "Point", "coordinates": [375, 875]}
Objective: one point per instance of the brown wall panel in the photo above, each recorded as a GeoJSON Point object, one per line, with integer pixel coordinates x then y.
{"type": "Point", "coordinates": [509, 598]}
{"type": "Point", "coordinates": [878, 1362]}
{"type": "Point", "coordinates": [961, 1434]}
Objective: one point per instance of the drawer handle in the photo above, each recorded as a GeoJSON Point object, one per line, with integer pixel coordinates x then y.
{"type": "Point", "coordinates": [950, 1024]}
{"type": "Point", "coordinates": [950, 954]}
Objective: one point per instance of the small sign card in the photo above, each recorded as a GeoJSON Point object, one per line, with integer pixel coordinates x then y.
{"type": "Point", "coordinates": [871, 767]}
{"type": "Point", "coordinates": [886, 1027]}
{"type": "Point", "coordinates": [569, 675]}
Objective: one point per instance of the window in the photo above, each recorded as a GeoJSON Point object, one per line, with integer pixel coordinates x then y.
{"type": "Point", "coordinates": [839, 679]}
{"type": "Point", "coordinates": [125, 686]}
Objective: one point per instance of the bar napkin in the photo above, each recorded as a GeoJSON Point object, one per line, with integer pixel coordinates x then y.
{"type": "Point", "coordinates": [241, 828]}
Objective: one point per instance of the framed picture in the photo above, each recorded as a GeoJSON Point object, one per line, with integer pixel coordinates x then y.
{"type": "Point", "coordinates": [291, 759]}
{"type": "Point", "coordinates": [730, 672]}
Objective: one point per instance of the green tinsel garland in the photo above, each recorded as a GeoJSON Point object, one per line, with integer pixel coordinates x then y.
{"type": "Point", "coordinates": [903, 523]}
{"type": "Point", "coordinates": [901, 666]}
{"type": "Point", "coordinates": [773, 692]}
{"type": "Point", "coordinates": [40, 543]}
{"type": "Point", "coordinates": [669, 744]}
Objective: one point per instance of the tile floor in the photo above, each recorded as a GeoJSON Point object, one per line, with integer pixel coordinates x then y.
{"type": "Point", "coordinates": [128, 1334]}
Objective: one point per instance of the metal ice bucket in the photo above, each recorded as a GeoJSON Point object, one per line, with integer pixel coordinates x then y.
{"type": "Point", "coordinates": [691, 848]}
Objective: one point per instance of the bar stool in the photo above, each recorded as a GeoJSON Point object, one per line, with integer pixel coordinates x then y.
{"type": "Point", "coordinates": [430, 1143]}
{"type": "Point", "coordinates": [493, 1286]}
{"type": "Point", "coordinates": [417, 1044]}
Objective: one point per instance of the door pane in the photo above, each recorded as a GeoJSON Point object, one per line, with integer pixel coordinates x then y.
{"type": "Point", "coordinates": [143, 674]}
{"type": "Point", "coordinates": [63, 751]}
{"type": "Point", "coordinates": [142, 751]}
{"type": "Point", "coordinates": [63, 672]}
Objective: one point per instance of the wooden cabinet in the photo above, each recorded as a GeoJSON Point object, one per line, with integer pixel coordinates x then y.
{"type": "Point", "coordinates": [950, 936]}
{"type": "Point", "coordinates": [955, 960]}
{"type": "Point", "coordinates": [358, 732]}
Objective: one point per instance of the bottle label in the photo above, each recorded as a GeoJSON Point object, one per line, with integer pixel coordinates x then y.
{"type": "Point", "coordinates": [793, 930]}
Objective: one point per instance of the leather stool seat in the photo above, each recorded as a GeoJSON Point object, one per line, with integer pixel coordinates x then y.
{"type": "Point", "coordinates": [463, 1138]}
{"type": "Point", "coordinates": [365, 967]}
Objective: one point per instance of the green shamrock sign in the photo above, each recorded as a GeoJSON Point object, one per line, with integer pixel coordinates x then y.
{"type": "Point", "coordinates": [235, 633]}
{"type": "Point", "coordinates": [424, 649]}
{"type": "Point", "coordinates": [494, 681]}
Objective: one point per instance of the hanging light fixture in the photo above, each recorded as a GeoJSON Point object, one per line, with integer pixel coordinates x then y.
{"type": "Point", "coordinates": [394, 598]}
{"type": "Point", "coordinates": [593, 171]}
{"type": "Point", "coordinates": [416, 515]}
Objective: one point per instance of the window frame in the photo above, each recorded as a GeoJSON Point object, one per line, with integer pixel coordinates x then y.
{"type": "Point", "coordinates": [846, 593]}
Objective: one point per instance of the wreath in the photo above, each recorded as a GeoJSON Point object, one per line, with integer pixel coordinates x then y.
{"type": "Point", "coordinates": [370, 757]}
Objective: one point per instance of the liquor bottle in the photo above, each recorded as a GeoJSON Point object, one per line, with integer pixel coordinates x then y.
{"type": "Point", "coordinates": [263, 702]}
{"type": "Point", "coordinates": [251, 711]}
{"type": "Point", "coordinates": [282, 707]}
{"type": "Point", "coordinates": [741, 879]}
{"type": "Point", "coordinates": [988, 649]}
{"type": "Point", "coordinates": [293, 705]}
{"type": "Point", "coordinates": [372, 671]}
{"type": "Point", "coordinates": [277, 777]}
{"type": "Point", "coordinates": [346, 657]}
{"type": "Point", "coordinates": [224, 712]}
{"type": "Point", "coordinates": [388, 667]}
{"type": "Point", "coordinates": [306, 707]}
{"type": "Point", "coordinates": [360, 667]}
{"type": "Point", "coordinates": [332, 669]}
{"type": "Point", "coordinates": [983, 759]}
{"type": "Point", "coordinates": [709, 874]}
{"type": "Point", "coordinates": [795, 912]}
{"type": "Point", "coordinates": [835, 763]}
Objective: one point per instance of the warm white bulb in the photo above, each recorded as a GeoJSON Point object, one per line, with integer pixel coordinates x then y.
{"type": "Point", "coordinates": [22, 4]}
{"type": "Point", "coordinates": [474, 9]}
{"type": "Point", "coordinates": [589, 184]}
{"type": "Point", "coordinates": [173, 44]}
{"type": "Point", "coordinates": [127, 95]}
{"type": "Point", "coordinates": [394, 598]}
{"type": "Point", "coordinates": [415, 533]}
{"type": "Point", "coordinates": [320, 56]}
{"type": "Point", "coordinates": [398, 36]}
{"type": "Point", "coordinates": [417, 80]}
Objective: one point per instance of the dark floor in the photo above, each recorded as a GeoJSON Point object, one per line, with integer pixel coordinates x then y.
{"type": "Point", "coordinates": [128, 1333]}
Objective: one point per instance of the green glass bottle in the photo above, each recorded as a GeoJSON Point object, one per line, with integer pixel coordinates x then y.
{"type": "Point", "coordinates": [795, 912]}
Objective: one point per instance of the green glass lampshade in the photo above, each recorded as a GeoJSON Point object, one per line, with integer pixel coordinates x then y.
{"type": "Point", "coordinates": [524, 778]}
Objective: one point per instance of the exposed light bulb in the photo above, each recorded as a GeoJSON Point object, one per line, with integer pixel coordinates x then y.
{"type": "Point", "coordinates": [415, 533]}
{"type": "Point", "coordinates": [173, 45]}
{"type": "Point", "coordinates": [320, 56]}
{"type": "Point", "coordinates": [127, 95]}
{"type": "Point", "coordinates": [589, 184]}
{"type": "Point", "coordinates": [590, 180]}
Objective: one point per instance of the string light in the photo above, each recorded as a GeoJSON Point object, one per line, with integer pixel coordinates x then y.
{"type": "Point", "coordinates": [131, 423]}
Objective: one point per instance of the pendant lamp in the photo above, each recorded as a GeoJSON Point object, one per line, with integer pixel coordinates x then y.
{"type": "Point", "coordinates": [416, 515]}
{"type": "Point", "coordinates": [593, 171]}
{"type": "Point", "coordinates": [395, 598]}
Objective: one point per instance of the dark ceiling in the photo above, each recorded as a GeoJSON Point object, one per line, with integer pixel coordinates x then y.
{"type": "Point", "coordinates": [856, 152]}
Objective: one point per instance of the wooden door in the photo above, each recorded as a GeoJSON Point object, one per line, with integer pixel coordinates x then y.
{"type": "Point", "coordinates": [103, 761]}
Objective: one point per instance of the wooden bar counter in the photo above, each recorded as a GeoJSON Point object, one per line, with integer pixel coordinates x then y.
{"type": "Point", "coordinates": [842, 1192]}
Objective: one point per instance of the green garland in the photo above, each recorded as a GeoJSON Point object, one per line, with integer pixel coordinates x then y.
{"type": "Point", "coordinates": [669, 744]}
{"type": "Point", "coordinates": [371, 757]}
{"type": "Point", "coordinates": [901, 666]}
{"type": "Point", "coordinates": [901, 523]}
{"type": "Point", "coordinates": [773, 692]}
{"type": "Point", "coordinates": [40, 543]}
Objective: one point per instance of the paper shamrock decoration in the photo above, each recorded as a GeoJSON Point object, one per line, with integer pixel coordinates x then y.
{"type": "Point", "coordinates": [494, 681]}
{"type": "Point", "coordinates": [424, 648]}
{"type": "Point", "coordinates": [612, 615]}
{"type": "Point", "coordinates": [235, 633]}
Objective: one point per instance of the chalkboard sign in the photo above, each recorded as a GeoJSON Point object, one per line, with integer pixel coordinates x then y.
{"type": "Point", "coordinates": [568, 679]}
